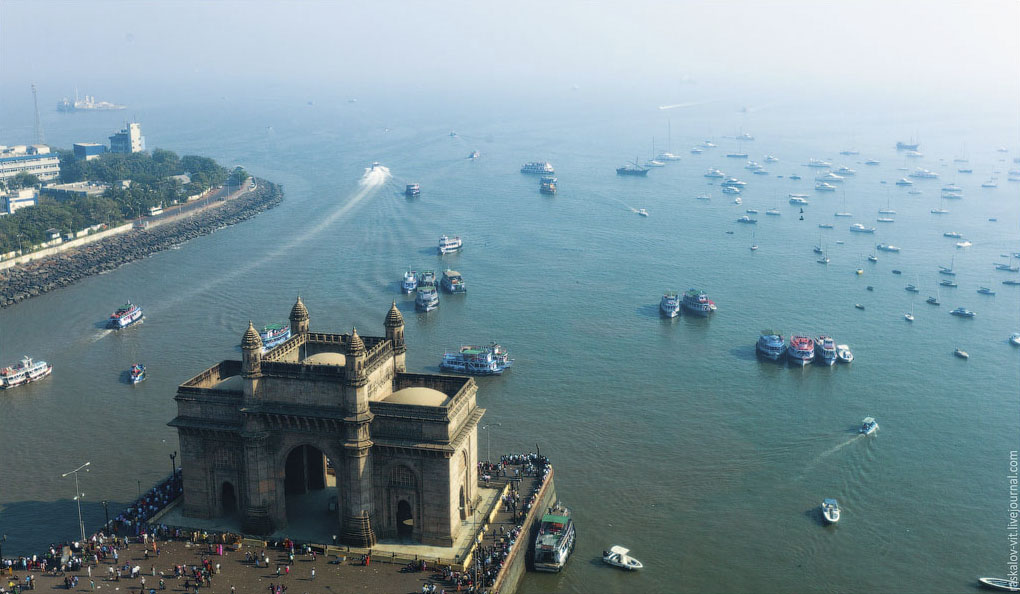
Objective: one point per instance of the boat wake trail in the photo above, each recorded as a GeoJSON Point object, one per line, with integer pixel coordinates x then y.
{"type": "Point", "coordinates": [374, 178]}
{"type": "Point", "coordinates": [829, 452]}
{"type": "Point", "coordinates": [100, 335]}
{"type": "Point", "coordinates": [683, 105]}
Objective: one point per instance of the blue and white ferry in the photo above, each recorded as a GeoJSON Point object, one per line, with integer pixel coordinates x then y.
{"type": "Point", "coordinates": [273, 335]}
{"type": "Point", "coordinates": [410, 282]}
{"type": "Point", "coordinates": [125, 316]}
{"type": "Point", "coordinates": [477, 360]}
{"type": "Point", "coordinates": [427, 297]}
{"type": "Point", "coordinates": [771, 345]}
{"type": "Point", "coordinates": [669, 305]}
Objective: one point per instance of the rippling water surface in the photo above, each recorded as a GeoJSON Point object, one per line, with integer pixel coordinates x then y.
{"type": "Point", "coordinates": [668, 436]}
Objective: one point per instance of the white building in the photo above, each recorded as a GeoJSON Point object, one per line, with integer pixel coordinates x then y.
{"type": "Point", "coordinates": [12, 200]}
{"type": "Point", "coordinates": [128, 140]}
{"type": "Point", "coordinates": [35, 159]}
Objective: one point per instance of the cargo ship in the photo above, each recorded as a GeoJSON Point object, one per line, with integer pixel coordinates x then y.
{"type": "Point", "coordinates": [88, 103]}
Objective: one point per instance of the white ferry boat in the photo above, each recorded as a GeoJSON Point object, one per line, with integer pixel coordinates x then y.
{"type": "Point", "coordinates": [826, 349]}
{"type": "Point", "coordinates": [125, 315]}
{"type": "Point", "coordinates": [449, 244]}
{"type": "Point", "coordinates": [410, 282]}
{"type": "Point", "coordinates": [273, 335]}
{"type": "Point", "coordinates": [555, 540]}
{"type": "Point", "coordinates": [669, 305]}
{"type": "Point", "coordinates": [427, 298]}
{"type": "Point", "coordinates": [698, 303]}
{"type": "Point", "coordinates": [24, 372]}
{"type": "Point", "coordinates": [453, 282]}
{"type": "Point", "coordinates": [477, 360]}
{"type": "Point", "coordinates": [543, 168]}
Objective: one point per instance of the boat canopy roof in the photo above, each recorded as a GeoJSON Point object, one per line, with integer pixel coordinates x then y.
{"type": "Point", "coordinates": [617, 549]}
{"type": "Point", "coordinates": [829, 501]}
{"type": "Point", "coordinates": [554, 519]}
{"type": "Point", "coordinates": [868, 420]}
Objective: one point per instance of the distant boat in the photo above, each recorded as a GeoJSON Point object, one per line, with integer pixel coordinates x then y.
{"type": "Point", "coordinates": [859, 306]}
{"type": "Point", "coordinates": [747, 220]}
{"type": "Point", "coordinates": [963, 312]}
{"type": "Point", "coordinates": [885, 247]}
{"type": "Point", "coordinates": [617, 557]}
{"type": "Point", "coordinates": [1015, 338]}
{"type": "Point", "coordinates": [669, 305]}
{"type": "Point", "coordinates": [999, 584]}
{"type": "Point", "coordinates": [632, 169]}
{"type": "Point", "coordinates": [907, 146]}
{"type": "Point", "coordinates": [830, 510]}
{"type": "Point", "coordinates": [961, 354]}
{"type": "Point", "coordinates": [868, 426]}
{"type": "Point", "coordinates": [412, 190]}
{"type": "Point", "coordinates": [844, 354]}
{"type": "Point", "coordinates": [137, 373]}
{"type": "Point", "coordinates": [642, 212]}
{"type": "Point", "coordinates": [474, 155]}
{"type": "Point", "coordinates": [539, 167]}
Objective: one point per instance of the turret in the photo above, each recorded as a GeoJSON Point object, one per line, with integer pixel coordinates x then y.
{"type": "Point", "coordinates": [395, 334]}
{"type": "Point", "coordinates": [356, 355]}
{"type": "Point", "coordinates": [298, 318]}
{"type": "Point", "coordinates": [251, 359]}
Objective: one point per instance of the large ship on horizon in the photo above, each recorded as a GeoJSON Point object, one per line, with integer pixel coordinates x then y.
{"type": "Point", "coordinates": [555, 540]}
{"type": "Point", "coordinates": [24, 372]}
{"type": "Point", "coordinates": [86, 103]}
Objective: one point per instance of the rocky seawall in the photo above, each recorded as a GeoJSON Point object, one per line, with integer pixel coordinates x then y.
{"type": "Point", "coordinates": [37, 277]}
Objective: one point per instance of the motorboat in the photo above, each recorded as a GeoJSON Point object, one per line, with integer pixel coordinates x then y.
{"type": "Point", "coordinates": [824, 226]}
{"type": "Point", "coordinates": [922, 173]}
{"type": "Point", "coordinates": [715, 173]}
{"type": "Point", "coordinates": [985, 291]}
{"type": "Point", "coordinates": [830, 510]}
{"type": "Point", "coordinates": [830, 177]}
{"type": "Point", "coordinates": [872, 258]}
{"type": "Point", "coordinates": [617, 556]}
{"type": "Point", "coordinates": [963, 244]}
{"type": "Point", "coordinates": [859, 228]}
{"type": "Point", "coordinates": [885, 220]}
{"type": "Point", "coordinates": [845, 171]}
{"type": "Point", "coordinates": [731, 190]}
{"type": "Point", "coordinates": [948, 283]}
{"type": "Point", "coordinates": [913, 289]}
{"type": "Point", "coordinates": [818, 163]}
{"type": "Point", "coordinates": [872, 162]}
{"type": "Point", "coordinates": [642, 212]}
{"type": "Point", "coordinates": [824, 187]}
{"type": "Point", "coordinates": [747, 220]}
{"type": "Point", "coordinates": [137, 373]}
{"type": "Point", "coordinates": [1014, 338]}
{"type": "Point", "coordinates": [737, 200]}
{"type": "Point", "coordinates": [885, 247]}
{"type": "Point", "coordinates": [412, 190]}
{"type": "Point", "coordinates": [859, 306]}
{"type": "Point", "coordinates": [904, 182]}
{"type": "Point", "coordinates": [868, 426]}
{"type": "Point", "coordinates": [773, 212]}
{"type": "Point", "coordinates": [844, 354]}
{"type": "Point", "coordinates": [961, 354]}
{"type": "Point", "coordinates": [794, 177]}
{"type": "Point", "coordinates": [1000, 584]}
{"type": "Point", "coordinates": [798, 199]}
{"type": "Point", "coordinates": [953, 234]}
{"type": "Point", "coordinates": [963, 312]}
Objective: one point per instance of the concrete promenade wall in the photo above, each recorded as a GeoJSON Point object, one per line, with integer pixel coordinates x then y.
{"type": "Point", "coordinates": [522, 555]}
{"type": "Point", "coordinates": [67, 245]}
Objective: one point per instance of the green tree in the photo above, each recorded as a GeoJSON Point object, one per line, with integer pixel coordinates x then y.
{"type": "Point", "coordinates": [23, 179]}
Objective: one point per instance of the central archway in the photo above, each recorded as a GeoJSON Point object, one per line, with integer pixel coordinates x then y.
{"type": "Point", "coordinates": [228, 499]}
{"type": "Point", "coordinates": [311, 493]}
{"type": "Point", "coordinates": [405, 520]}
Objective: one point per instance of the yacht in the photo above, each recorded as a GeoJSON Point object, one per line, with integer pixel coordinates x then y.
{"type": "Point", "coordinates": [410, 281]}
{"type": "Point", "coordinates": [963, 312]}
{"type": "Point", "coordinates": [736, 200]}
{"type": "Point", "coordinates": [705, 197]}
{"type": "Point", "coordinates": [951, 189]}
{"type": "Point", "coordinates": [747, 220]}
{"type": "Point", "coordinates": [737, 155]}
{"type": "Point", "coordinates": [818, 163]}
{"type": "Point", "coordinates": [449, 244]}
{"type": "Point", "coordinates": [826, 350]}
{"type": "Point", "coordinates": [474, 155]}
{"type": "Point", "coordinates": [985, 291]}
{"type": "Point", "coordinates": [555, 539]}
{"type": "Point", "coordinates": [830, 510]}
{"type": "Point", "coordinates": [922, 173]}
{"type": "Point", "coordinates": [753, 166]}
{"type": "Point", "coordinates": [914, 154]}
{"type": "Point", "coordinates": [948, 283]}
{"type": "Point", "coordinates": [801, 350]}
{"type": "Point", "coordinates": [697, 150]}
{"type": "Point", "coordinates": [872, 258]}
{"type": "Point", "coordinates": [868, 426]}
{"type": "Point", "coordinates": [913, 289]}
{"type": "Point", "coordinates": [715, 173]}
{"type": "Point", "coordinates": [859, 228]}
{"type": "Point", "coordinates": [669, 305]}
{"type": "Point", "coordinates": [698, 303]}
{"type": "Point", "coordinates": [953, 234]}
{"type": "Point", "coordinates": [794, 177]}
{"type": "Point", "coordinates": [961, 353]}
{"type": "Point", "coordinates": [730, 190]}
{"type": "Point", "coordinates": [965, 170]}
{"type": "Point", "coordinates": [844, 354]}
{"type": "Point", "coordinates": [412, 190]}
{"type": "Point", "coordinates": [885, 247]}
{"type": "Point", "coordinates": [824, 226]}
{"type": "Point", "coordinates": [830, 177]}
{"type": "Point", "coordinates": [798, 199]}
{"type": "Point", "coordinates": [654, 163]}
{"type": "Point", "coordinates": [453, 282]}
{"type": "Point", "coordinates": [939, 211]}
{"type": "Point", "coordinates": [642, 212]}
{"type": "Point", "coordinates": [632, 169]}
{"type": "Point", "coordinates": [904, 182]}
{"type": "Point", "coordinates": [1015, 338]}
{"type": "Point", "coordinates": [872, 162]}
{"type": "Point", "coordinates": [845, 171]}
{"type": "Point", "coordinates": [824, 187]}
{"type": "Point", "coordinates": [733, 182]}
{"type": "Point", "coordinates": [708, 144]}
{"type": "Point", "coordinates": [617, 556]}
{"type": "Point", "coordinates": [885, 220]}
{"type": "Point", "coordinates": [666, 156]}
{"type": "Point", "coordinates": [849, 152]}
{"type": "Point", "coordinates": [751, 211]}
{"type": "Point", "coordinates": [963, 244]}
{"type": "Point", "coordinates": [773, 212]}
{"type": "Point", "coordinates": [771, 158]}
{"type": "Point", "coordinates": [771, 345]}
{"type": "Point", "coordinates": [991, 183]}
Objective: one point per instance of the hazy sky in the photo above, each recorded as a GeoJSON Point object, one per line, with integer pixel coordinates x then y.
{"type": "Point", "coordinates": [913, 48]}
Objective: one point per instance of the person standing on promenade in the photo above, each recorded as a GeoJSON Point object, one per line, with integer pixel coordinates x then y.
{"type": "Point", "coordinates": [313, 574]}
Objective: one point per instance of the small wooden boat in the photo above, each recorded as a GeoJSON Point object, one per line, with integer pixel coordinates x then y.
{"type": "Point", "coordinates": [617, 557]}
{"type": "Point", "coordinates": [830, 510]}
{"type": "Point", "coordinates": [999, 584]}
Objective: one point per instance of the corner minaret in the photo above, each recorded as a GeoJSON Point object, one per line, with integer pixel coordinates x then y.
{"type": "Point", "coordinates": [298, 318]}
{"type": "Point", "coordinates": [395, 334]}
{"type": "Point", "coordinates": [251, 360]}
{"type": "Point", "coordinates": [357, 469]}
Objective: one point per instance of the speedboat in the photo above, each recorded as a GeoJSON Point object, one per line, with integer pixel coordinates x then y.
{"type": "Point", "coordinates": [770, 345]}
{"type": "Point", "coordinates": [963, 312]}
{"type": "Point", "coordinates": [963, 244]}
{"type": "Point", "coordinates": [985, 291]}
{"type": "Point", "coordinates": [1015, 338]}
{"type": "Point", "coordinates": [642, 212]}
{"type": "Point", "coordinates": [617, 557]}
{"type": "Point", "coordinates": [824, 187]}
{"type": "Point", "coordinates": [830, 510]}
{"type": "Point", "coordinates": [1000, 584]}
{"type": "Point", "coordinates": [669, 305]}
{"type": "Point", "coordinates": [410, 282]}
{"type": "Point", "coordinates": [961, 354]}
{"type": "Point", "coordinates": [868, 426]}
{"type": "Point", "coordinates": [904, 182]}
{"type": "Point", "coordinates": [844, 354]}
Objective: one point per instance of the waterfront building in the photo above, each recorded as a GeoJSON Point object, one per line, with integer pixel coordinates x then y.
{"type": "Point", "coordinates": [35, 159]}
{"type": "Point", "coordinates": [260, 435]}
{"type": "Point", "coordinates": [12, 200]}
{"type": "Point", "coordinates": [128, 140]}
{"type": "Point", "coordinates": [86, 151]}
{"type": "Point", "coordinates": [82, 189]}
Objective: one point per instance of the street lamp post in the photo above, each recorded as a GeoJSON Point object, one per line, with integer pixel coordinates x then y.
{"type": "Point", "coordinates": [173, 468]}
{"type": "Point", "coordinates": [488, 441]}
{"type": "Point", "coordinates": [77, 497]}
{"type": "Point", "coordinates": [106, 508]}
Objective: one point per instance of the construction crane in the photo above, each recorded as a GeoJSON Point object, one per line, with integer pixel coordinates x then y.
{"type": "Point", "coordinates": [40, 137]}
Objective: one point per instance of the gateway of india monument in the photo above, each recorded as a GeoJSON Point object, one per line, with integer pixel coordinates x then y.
{"type": "Point", "coordinates": [322, 408]}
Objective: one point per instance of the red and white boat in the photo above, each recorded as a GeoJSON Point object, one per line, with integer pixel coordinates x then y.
{"type": "Point", "coordinates": [801, 350]}
{"type": "Point", "coordinates": [24, 372]}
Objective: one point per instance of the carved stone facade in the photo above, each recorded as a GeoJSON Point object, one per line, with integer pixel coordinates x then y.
{"type": "Point", "coordinates": [403, 445]}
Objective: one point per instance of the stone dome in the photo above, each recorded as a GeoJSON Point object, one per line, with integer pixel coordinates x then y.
{"type": "Point", "coordinates": [393, 317]}
{"type": "Point", "coordinates": [417, 396]}
{"type": "Point", "coordinates": [356, 346]}
{"type": "Point", "coordinates": [298, 312]}
{"type": "Point", "coordinates": [326, 359]}
{"type": "Point", "coordinates": [251, 339]}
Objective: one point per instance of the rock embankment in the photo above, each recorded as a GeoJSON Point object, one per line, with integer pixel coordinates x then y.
{"type": "Point", "coordinates": [37, 277]}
